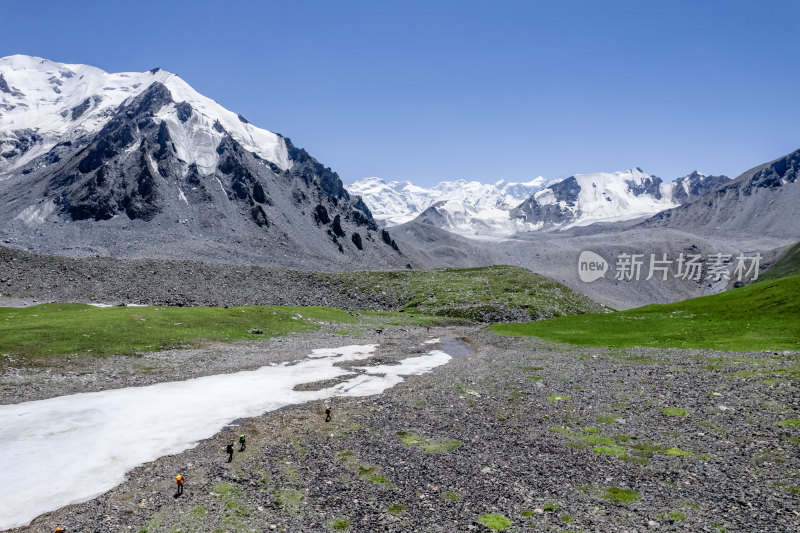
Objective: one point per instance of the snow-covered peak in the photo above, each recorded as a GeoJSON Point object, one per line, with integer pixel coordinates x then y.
{"type": "Point", "coordinates": [43, 102]}
{"type": "Point", "coordinates": [396, 202]}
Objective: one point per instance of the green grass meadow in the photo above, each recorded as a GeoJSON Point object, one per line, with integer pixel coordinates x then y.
{"type": "Point", "coordinates": [52, 329]}
{"type": "Point", "coordinates": [761, 316]}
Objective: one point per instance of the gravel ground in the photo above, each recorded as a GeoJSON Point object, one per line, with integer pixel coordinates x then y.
{"type": "Point", "coordinates": [534, 432]}
{"type": "Point", "coordinates": [27, 278]}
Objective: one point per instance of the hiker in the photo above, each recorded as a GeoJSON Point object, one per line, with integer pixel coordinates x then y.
{"type": "Point", "coordinates": [242, 442]}
{"type": "Point", "coordinates": [327, 413]}
{"type": "Point", "coordinates": [179, 481]}
{"type": "Point", "coordinates": [61, 530]}
{"type": "Point", "coordinates": [229, 450]}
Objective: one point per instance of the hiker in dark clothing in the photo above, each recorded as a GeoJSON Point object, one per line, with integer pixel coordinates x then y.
{"type": "Point", "coordinates": [327, 413]}
{"type": "Point", "coordinates": [229, 450]}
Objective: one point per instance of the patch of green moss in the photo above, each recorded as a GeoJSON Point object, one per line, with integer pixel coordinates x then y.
{"type": "Point", "coordinates": [676, 452]}
{"type": "Point", "coordinates": [616, 451]}
{"type": "Point", "coordinates": [411, 438]}
{"type": "Point", "coordinates": [290, 500]}
{"type": "Point", "coordinates": [597, 439]}
{"type": "Point", "coordinates": [339, 524]}
{"type": "Point", "coordinates": [673, 411]}
{"type": "Point", "coordinates": [395, 509]}
{"type": "Point", "coordinates": [618, 495]}
{"type": "Point", "coordinates": [495, 522]}
{"type": "Point", "coordinates": [675, 516]}
{"type": "Point", "coordinates": [559, 398]}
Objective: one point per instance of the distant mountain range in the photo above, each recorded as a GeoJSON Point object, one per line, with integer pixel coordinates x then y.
{"type": "Point", "coordinates": [479, 210]}
{"type": "Point", "coordinates": [140, 164]}
{"type": "Point", "coordinates": [584, 199]}
{"type": "Point", "coordinates": [466, 207]}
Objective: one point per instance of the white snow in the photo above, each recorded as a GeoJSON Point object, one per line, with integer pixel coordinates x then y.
{"type": "Point", "coordinates": [36, 214]}
{"type": "Point", "coordinates": [607, 197]}
{"type": "Point", "coordinates": [471, 208]}
{"type": "Point", "coordinates": [44, 93]}
{"type": "Point", "coordinates": [182, 196]}
{"type": "Point", "coordinates": [68, 449]}
{"type": "Point", "coordinates": [482, 211]}
{"type": "Point", "coordinates": [220, 186]}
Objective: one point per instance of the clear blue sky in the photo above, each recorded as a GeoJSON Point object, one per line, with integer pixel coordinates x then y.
{"type": "Point", "coordinates": [481, 90]}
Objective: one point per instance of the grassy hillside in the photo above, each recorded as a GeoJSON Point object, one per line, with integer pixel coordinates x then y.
{"type": "Point", "coordinates": [761, 316]}
{"type": "Point", "coordinates": [487, 294]}
{"type": "Point", "coordinates": [788, 265]}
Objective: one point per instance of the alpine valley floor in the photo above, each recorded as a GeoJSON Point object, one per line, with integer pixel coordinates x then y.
{"type": "Point", "coordinates": [511, 433]}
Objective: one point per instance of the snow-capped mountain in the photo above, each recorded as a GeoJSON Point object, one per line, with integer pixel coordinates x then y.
{"type": "Point", "coordinates": [45, 103]}
{"type": "Point", "coordinates": [476, 209]}
{"type": "Point", "coordinates": [140, 163]}
{"type": "Point", "coordinates": [467, 207]}
{"type": "Point", "coordinates": [585, 199]}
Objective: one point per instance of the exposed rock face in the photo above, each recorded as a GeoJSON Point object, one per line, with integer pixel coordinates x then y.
{"type": "Point", "coordinates": [765, 200]}
{"type": "Point", "coordinates": [169, 174]}
{"type": "Point", "coordinates": [696, 185]}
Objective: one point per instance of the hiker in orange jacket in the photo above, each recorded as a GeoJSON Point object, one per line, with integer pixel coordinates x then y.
{"type": "Point", "coordinates": [179, 481]}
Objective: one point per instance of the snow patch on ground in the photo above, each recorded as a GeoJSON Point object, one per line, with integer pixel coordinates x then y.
{"type": "Point", "coordinates": [37, 213]}
{"type": "Point", "coordinates": [69, 449]}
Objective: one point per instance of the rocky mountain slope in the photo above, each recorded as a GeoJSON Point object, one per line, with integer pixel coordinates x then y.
{"type": "Point", "coordinates": [765, 200]}
{"type": "Point", "coordinates": [141, 165]}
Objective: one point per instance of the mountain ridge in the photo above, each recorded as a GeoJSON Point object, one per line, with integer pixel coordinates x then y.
{"type": "Point", "coordinates": [146, 165]}
{"type": "Point", "coordinates": [764, 200]}
{"type": "Point", "coordinates": [501, 209]}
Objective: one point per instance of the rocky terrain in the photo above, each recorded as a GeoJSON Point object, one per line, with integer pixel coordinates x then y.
{"type": "Point", "coordinates": [761, 201]}
{"type": "Point", "coordinates": [546, 437]}
{"type": "Point", "coordinates": [27, 278]}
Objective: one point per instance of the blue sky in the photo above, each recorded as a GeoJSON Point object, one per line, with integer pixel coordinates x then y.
{"type": "Point", "coordinates": [481, 90]}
